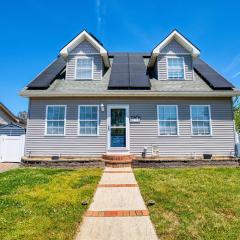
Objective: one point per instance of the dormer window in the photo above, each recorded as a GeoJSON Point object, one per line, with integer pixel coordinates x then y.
{"type": "Point", "coordinates": [175, 68]}
{"type": "Point", "coordinates": [84, 68]}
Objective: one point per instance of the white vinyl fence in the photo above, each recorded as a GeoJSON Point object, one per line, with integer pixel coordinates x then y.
{"type": "Point", "coordinates": [237, 137]}
{"type": "Point", "coordinates": [11, 148]}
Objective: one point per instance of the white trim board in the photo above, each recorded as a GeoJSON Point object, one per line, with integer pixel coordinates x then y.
{"type": "Point", "coordinates": [118, 149]}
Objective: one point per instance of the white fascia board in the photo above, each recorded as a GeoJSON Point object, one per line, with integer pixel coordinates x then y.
{"type": "Point", "coordinates": [84, 35]}
{"type": "Point", "coordinates": [140, 93]}
{"type": "Point", "coordinates": [180, 39]}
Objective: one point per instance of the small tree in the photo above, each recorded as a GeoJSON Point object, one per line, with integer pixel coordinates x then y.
{"type": "Point", "coordinates": [23, 115]}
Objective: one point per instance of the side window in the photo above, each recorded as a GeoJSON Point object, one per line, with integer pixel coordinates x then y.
{"type": "Point", "coordinates": [175, 68]}
{"type": "Point", "coordinates": [84, 68]}
{"type": "Point", "coordinates": [55, 120]}
{"type": "Point", "coordinates": [168, 119]}
{"type": "Point", "coordinates": [201, 122]}
{"type": "Point", "coordinates": [88, 120]}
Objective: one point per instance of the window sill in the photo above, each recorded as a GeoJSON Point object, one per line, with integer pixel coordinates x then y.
{"type": "Point", "coordinates": [54, 135]}
{"type": "Point", "coordinates": [176, 79]}
{"type": "Point", "coordinates": [168, 135]}
{"type": "Point", "coordinates": [202, 135]}
{"type": "Point", "coordinates": [88, 135]}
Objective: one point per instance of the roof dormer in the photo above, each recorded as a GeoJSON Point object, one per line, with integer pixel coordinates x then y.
{"type": "Point", "coordinates": [179, 38]}
{"type": "Point", "coordinates": [85, 36]}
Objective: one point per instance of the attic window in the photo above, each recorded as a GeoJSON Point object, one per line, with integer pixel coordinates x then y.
{"type": "Point", "coordinates": [84, 68]}
{"type": "Point", "coordinates": [175, 67]}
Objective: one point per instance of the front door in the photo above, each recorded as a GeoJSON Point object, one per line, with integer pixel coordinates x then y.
{"type": "Point", "coordinates": [118, 127]}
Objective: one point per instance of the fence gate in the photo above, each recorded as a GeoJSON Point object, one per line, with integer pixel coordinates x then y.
{"type": "Point", "coordinates": [11, 148]}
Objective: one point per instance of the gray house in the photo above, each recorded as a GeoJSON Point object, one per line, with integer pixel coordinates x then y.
{"type": "Point", "coordinates": [91, 102]}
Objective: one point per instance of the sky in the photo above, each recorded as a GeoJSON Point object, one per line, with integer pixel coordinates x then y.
{"type": "Point", "coordinates": [34, 31]}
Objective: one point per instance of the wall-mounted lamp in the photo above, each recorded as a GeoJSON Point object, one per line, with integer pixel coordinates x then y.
{"type": "Point", "coordinates": [102, 107]}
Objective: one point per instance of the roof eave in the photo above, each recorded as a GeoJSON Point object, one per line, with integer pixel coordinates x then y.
{"type": "Point", "coordinates": [133, 93]}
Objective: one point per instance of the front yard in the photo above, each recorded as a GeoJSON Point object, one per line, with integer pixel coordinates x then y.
{"type": "Point", "coordinates": [202, 203]}
{"type": "Point", "coordinates": [44, 203]}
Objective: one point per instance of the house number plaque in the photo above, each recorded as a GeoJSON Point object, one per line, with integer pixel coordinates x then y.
{"type": "Point", "coordinates": [135, 119]}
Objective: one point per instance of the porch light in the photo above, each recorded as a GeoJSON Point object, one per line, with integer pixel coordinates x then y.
{"type": "Point", "coordinates": [102, 107]}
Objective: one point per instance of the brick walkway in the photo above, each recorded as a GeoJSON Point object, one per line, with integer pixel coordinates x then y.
{"type": "Point", "coordinates": [8, 166]}
{"type": "Point", "coordinates": [118, 211]}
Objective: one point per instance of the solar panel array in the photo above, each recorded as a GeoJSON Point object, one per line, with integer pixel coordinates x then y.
{"type": "Point", "coordinates": [214, 79]}
{"type": "Point", "coordinates": [128, 72]}
{"type": "Point", "coordinates": [45, 78]}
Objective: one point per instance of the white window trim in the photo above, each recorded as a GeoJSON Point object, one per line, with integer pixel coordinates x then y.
{"type": "Point", "coordinates": [210, 120]}
{"type": "Point", "coordinates": [184, 72]}
{"type": "Point", "coordinates": [88, 135]}
{"type": "Point", "coordinates": [168, 135]}
{"type": "Point", "coordinates": [83, 57]}
{"type": "Point", "coordinates": [46, 119]}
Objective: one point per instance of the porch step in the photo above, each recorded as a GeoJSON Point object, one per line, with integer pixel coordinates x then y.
{"type": "Point", "coordinates": [118, 160]}
{"type": "Point", "coordinates": [112, 157]}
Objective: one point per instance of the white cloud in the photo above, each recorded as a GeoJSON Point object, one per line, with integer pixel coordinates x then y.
{"type": "Point", "coordinates": [100, 10]}
{"type": "Point", "coordinates": [236, 75]}
{"type": "Point", "coordinates": [233, 64]}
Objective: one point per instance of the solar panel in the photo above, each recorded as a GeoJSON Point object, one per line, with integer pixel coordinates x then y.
{"type": "Point", "coordinates": [214, 79]}
{"type": "Point", "coordinates": [128, 72]}
{"type": "Point", "coordinates": [44, 79]}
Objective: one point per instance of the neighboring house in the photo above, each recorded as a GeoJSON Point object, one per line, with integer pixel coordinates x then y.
{"type": "Point", "coordinates": [10, 124]}
{"type": "Point", "coordinates": [90, 102]}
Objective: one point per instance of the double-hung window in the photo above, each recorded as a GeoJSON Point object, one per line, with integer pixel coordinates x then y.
{"type": "Point", "coordinates": [55, 120]}
{"type": "Point", "coordinates": [201, 120]}
{"type": "Point", "coordinates": [175, 67]}
{"type": "Point", "coordinates": [88, 120]}
{"type": "Point", "coordinates": [84, 68]}
{"type": "Point", "coordinates": [168, 119]}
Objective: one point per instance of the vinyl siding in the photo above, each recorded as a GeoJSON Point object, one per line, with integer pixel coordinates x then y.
{"type": "Point", "coordinates": [84, 49]}
{"type": "Point", "coordinates": [174, 49]}
{"type": "Point", "coordinates": [142, 135]}
{"type": "Point", "coordinates": [12, 130]}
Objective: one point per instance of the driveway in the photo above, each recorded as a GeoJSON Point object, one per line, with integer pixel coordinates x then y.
{"type": "Point", "coordinates": [8, 166]}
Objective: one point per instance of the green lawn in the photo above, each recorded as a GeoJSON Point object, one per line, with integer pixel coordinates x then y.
{"type": "Point", "coordinates": [199, 203]}
{"type": "Point", "coordinates": [44, 203]}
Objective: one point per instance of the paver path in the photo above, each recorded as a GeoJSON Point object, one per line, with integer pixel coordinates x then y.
{"type": "Point", "coordinates": [118, 210]}
{"type": "Point", "coordinates": [8, 166]}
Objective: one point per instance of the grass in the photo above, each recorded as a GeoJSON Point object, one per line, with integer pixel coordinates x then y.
{"type": "Point", "coordinates": [202, 203]}
{"type": "Point", "coordinates": [44, 203]}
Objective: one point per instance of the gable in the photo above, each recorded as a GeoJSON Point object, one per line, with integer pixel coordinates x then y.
{"type": "Point", "coordinates": [174, 48]}
{"type": "Point", "coordinates": [12, 130]}
{"type": "Point", "coordinates": [84, 48]}
{"type": "Point", "coordinates": [82, 37]}
{"type": "Point", "coordinates": [180, 39]}
{"type": "Point", "coordinates": [4, 118]}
